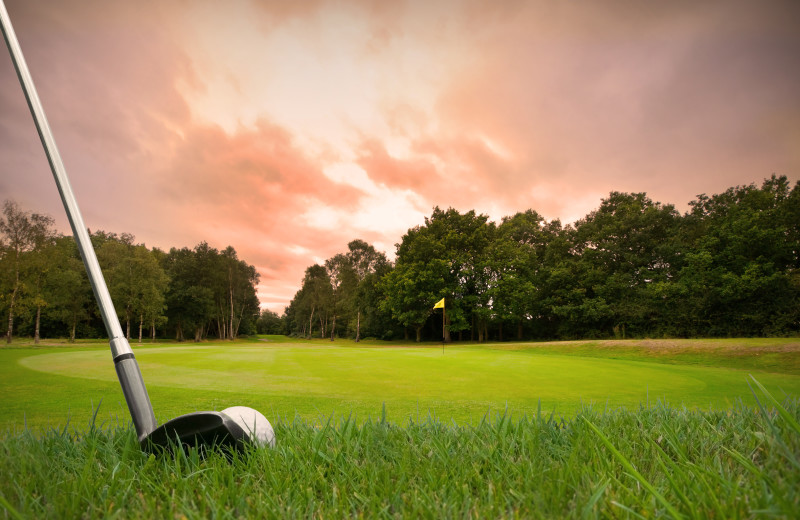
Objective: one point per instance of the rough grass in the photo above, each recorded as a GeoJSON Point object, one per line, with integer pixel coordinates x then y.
{"type": "Point", "coordinates": [347, 456]}
{"type": "Point", "coordinates": [648, 462]}
{"type": "Point", "coordinates": [768, 354]}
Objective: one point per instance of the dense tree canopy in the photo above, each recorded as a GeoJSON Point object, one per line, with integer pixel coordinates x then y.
{"type": "Point", "coordinates": [341, 298]}
{"type": "Point", "coordinates": [634, 267]}
{"type": "Point", "coordinates": [185, 294]}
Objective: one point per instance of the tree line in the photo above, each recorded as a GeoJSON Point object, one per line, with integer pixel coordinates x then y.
{"type": "Point", "coordinates": [633, 267]}
{"type": "Point", "coordinates": [184, 293]}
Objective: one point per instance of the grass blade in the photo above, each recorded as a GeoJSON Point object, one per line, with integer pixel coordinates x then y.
{"type": "Point", "coordinates": [791, 421]}
{"type": "Point", "coordinates": [9, 508]}
{"type": "Point", "coordinates": [638, 476]}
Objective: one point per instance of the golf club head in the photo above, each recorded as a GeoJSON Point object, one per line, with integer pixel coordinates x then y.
{"type": "Point", "coordinates": [199, 429]}
{"type": "Point", "coordinates": [212, 430]}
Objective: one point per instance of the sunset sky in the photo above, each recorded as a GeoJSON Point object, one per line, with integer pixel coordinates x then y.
{"type": "Point", "coordinates": [288, 128]}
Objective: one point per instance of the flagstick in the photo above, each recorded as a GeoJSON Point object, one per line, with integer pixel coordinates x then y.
{"type": "Point", "coordinates": [444, 320]}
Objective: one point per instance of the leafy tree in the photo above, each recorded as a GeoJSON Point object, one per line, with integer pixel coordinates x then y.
{"type": "Point", "coordinates": [239, 295]}
{"type": "Point", "coordinates": [189, 297]}
{"type": "Point", "coordinates": [71, 297]}
{"type": "Point", "coordinates": [343, 281]}
{"type": "Point", "coordinates": [625, 246]}
{"type": "Point", "coordinates": [367, 265]}
{"type": "Point", "coordinates": [411, 289]}
{"type": "Point", "coordinates": [445, 257]}
{"type": "Point", "coordinates": [21, 233]}
{"type": "Point", "coordinates": [313, 299]}
{"type": "Point", "coordinates": [149, 284]}
{"type": "Point", "coordinates": [739, 277]}
{"type": "Point", "coordinates": [208, 290]}
{"type": "Point", "coordinates": [39, 269]}
{"type": "Point", "coordinates": [518, 262]}
{"type": "Point", "coordinates": [350, 301]}
{"type": "Point", "coordinates": [270, 323]}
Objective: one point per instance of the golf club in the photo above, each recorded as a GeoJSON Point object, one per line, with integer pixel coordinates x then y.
{"type": "Point", "coordinates": [234, 427]}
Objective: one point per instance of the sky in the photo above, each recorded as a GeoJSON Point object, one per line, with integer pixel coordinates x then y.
{"type": "Point", "coordinates": [288, 129]}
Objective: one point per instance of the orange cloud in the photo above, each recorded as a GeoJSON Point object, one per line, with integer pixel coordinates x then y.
{"type": "Point", "coordinates": [288, 129]}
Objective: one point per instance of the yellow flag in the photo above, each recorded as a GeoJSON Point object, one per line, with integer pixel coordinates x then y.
{"type": "Point", "coordinates": [439, 304]}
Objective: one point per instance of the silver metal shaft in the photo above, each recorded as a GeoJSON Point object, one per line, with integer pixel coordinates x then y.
{"type": "Point", "coordinates": [130, 377]}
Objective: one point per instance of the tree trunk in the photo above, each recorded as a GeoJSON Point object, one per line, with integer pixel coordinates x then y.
{"type": "Point", "coordinates": [230, 271]}
{"type": "Point", "coordinates": [310, 323]}
{"type": "Point", "coordinates": [238, 322]}
{"type": "Point", "coordinates": [358, 326]}
{"type": "Point", "coordinates": [419, 333]}
{"type": "Point", "coordinates": [38, 320]}
{"type": "Point", "coordinates": [333, 327]}
{"type": "Point", "coordinates": [153, 330]}
{"type": "Point", "coordinates": [447, 330]}
{"type": "Point", "coordinates": [141, 325]}
{"type": "Point", "coordinates": [11, 312]}
{"type": "Point", "coordinates": [128, 325]}
{"type": "Point", "coordinates": [72, 331]}
{"type": "Point", "coordinates": [405, 333]}
{"type": "Point", "coordinates": [501, 331]}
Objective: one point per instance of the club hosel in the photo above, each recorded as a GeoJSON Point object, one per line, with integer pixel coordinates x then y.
{"type": "Point", "coordinates": [120, 346]}
{"type": "Point", "coordinates": [130, 379]}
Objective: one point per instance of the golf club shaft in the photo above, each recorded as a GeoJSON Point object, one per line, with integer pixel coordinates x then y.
{"type": "Point", "coordinates": [130, 377]}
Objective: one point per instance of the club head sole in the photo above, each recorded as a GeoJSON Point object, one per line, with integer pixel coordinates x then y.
{"type": "Point", "coordinates": [201, 430]}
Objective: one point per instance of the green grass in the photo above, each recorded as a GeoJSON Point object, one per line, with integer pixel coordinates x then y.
{"type": "Point", "coordinates": [654, 462]}
{"type": "Point", "coordinates": [50, 385]}
{"type": "Point", "coordinates": [553, 430]}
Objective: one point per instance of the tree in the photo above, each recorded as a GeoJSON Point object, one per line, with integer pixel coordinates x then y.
{"type": "Point", "coordinates": [411, 289]}
{"type": "Point", "coordinates": [270, 323]}
{"type": "Point", "coordinates": [625, 246]}
{"type": "Point", "coordinates": [70, 293]}
{"type": "Point", "coordinates": [447, 257]}
{"type": "Point", "coordinates": [189, 297]}
{"type": "Point", "coordinates": [39, 270]}
{"type": "Point", "coordinates": [209, 289]}
{"type": "Point", "coordinates": [739, 277]}
{"type": "Point", "coordinates": [21, 232]}
{"type": "Point", "coordinates": [518, 257]}
{"type": "Point", "coordinates": [239, 295]}
{"type": "Point", "coordinates": [149, 284]}
{"type": "Point", "coordinates": [343, 283]}
{"type": "Point", "coordinates": [368, 266]}
{"type": "Point", "coordinates": [312, 300]}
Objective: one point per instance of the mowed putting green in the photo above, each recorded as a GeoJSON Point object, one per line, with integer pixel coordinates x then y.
{"type": "Point", "coordinates": [315, 380]}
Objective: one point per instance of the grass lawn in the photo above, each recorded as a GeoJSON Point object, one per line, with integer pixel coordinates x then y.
{"type": "Point", "coordinates": [642, 429]}
{"type": "Point", "coordinates": [318, 379]}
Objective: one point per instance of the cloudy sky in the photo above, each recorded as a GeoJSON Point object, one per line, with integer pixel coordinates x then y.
{"type": "Point", "coordinates": [287, 129]}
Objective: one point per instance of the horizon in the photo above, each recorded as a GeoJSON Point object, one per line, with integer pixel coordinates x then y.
{"type": "Point", "coordinates": [287, 131]}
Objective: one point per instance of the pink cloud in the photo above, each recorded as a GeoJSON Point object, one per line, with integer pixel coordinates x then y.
{"type": "Point", "coordinates": [496, 106]}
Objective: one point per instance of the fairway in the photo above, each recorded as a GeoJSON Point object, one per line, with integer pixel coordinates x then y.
{"type": "Point", "coordinates": [315, 380]}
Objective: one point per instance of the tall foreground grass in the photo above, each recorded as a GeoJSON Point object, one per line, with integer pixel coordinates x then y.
{"type": "Point", "coordinates": [652, 462]}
